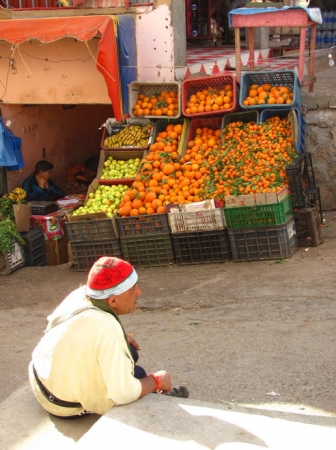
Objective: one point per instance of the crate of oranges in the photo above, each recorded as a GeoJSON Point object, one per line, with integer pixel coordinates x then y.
{"type": "Point", "coordinates": [205, 96]}
{"type": "Point", "coordinates": [152, 100]}
{"type": "Point", "coordinates": [262, 90]}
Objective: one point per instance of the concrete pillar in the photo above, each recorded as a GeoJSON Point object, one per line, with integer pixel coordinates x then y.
{"type": "Point", "coordinates": [261, 38]}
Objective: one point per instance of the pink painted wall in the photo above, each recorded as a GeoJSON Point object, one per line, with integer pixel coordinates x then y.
{"type": "Point", "coordinates": [61, 72]}
{"type": "Point", "coordinates": [68, 136]}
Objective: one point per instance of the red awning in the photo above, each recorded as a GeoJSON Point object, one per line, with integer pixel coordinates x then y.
{"type": "Point", "coordinates": [52, 29]}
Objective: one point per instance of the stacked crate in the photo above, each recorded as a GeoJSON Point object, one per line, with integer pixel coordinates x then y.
{"type": "Point", "coordinates": [306, 201]}
{"type": "Point", "coordinates": [12, 260]}
{"type": "Point", "coordinates": [90, 239]}
{"type": "Point", "coordinates": [262, 231]}
{"type": "Point", "coordinates": [199, 237]}
{"type": "Point", "coordinates": [145, 240]}
{"type": "Point", "coordinates": [34, 248]}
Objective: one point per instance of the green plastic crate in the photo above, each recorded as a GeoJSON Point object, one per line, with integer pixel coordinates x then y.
{"type": "Point", "coordinates": [259, 215]}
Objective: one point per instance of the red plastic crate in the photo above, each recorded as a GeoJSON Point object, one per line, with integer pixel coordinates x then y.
{"type": "Point", "coordinates": [205, 122]}
{"type": "Point", "coordinates": [192, 85]}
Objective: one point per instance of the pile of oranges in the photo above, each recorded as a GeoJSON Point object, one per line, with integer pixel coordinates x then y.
{"type": "Point", "coordinates": [164, 177]}
{"type": "Point", "coordinates": [242, 158]}
{"type": "Point", "coordinates": [210, 99]}
{"type": "Point", "coordinates": [164, 103]}
{"type": "Point", "coordinates": [268, 94]}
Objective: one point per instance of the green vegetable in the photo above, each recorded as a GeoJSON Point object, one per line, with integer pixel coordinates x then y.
{"type": "Point", "coordinates": [8, 235]}
{"type": "Point", "coordinates": [6, 208]}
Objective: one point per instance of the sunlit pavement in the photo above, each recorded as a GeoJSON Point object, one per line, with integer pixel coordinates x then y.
{"type": "Point", "coordinates": [159, 422]}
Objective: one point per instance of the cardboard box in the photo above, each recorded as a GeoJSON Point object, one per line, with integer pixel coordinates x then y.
{"type": "Point", "coordinates": [260, 199]}
{"type": "Point", "coordinates": [282, 193]}
{"type": "Point", "coordinates": [22, 213]}
{"type": "Point", "coordinates": [57, 251]}
{"type": "Point", "coordinates": [232, 201]}
{"type": "Point", "coordinates": [271, 197]}
{"type": "Point", "coordinates": [246, 200]}
{"type": "Point", "coordinates": [91, 189]}
{"type": "Point", "coordinates": [290, 30]}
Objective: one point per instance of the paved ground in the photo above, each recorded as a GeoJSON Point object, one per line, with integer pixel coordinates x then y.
{"type": "Point", "coordinates": [233, 332]}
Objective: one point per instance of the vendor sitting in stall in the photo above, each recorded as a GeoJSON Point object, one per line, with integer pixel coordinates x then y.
{"type": "Point", "coordinates": [39, 186]}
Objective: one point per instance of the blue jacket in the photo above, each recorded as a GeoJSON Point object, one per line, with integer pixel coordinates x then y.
{"type": "Point", "coordinates": [35, 192]}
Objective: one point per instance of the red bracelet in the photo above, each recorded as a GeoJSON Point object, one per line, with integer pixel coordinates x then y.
{"type": "Point", "coordinates": [157, 381]}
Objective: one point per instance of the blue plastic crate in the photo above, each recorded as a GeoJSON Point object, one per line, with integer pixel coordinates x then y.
{"type": "Point", "coordinates": [282, 113]}
{"type": "Point", "coordinates": [286, 78]}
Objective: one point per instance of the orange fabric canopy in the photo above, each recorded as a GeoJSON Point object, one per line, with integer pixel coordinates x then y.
{"type": "Point", "coordinates": [82, 28]}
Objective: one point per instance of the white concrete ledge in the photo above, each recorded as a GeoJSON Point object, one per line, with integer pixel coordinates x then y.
{"type": "Point", "coordinates": [160, 422]}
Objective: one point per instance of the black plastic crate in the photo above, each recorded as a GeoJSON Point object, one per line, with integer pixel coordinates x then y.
{"type": "Point", "coordinates": [86, 253]}
{"type": "Point", "coordinates": [309, 170]}
{"type": "Point", "coordinates": [90, 230]}
{"type": "Point", "coordinates": [300, 178]}
{"type": "Point", "coordinates": [12, 260]}
{"type": "Point", "coordinates": [308, 227]}
{"type": "Point", "coordinates": [34, 247]}
{"type": "Point", "coordinates": [148, 251]}
{"type": "Point", "coordinates": [314, 199]}
{"type": "Point", "coordinates": [201, 247]}
{"type": "Point", "coordinates": [147, 224]}
{"type": "Point", "coordinates": [259, 243]}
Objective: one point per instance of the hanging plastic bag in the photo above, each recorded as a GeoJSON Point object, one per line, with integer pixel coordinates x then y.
{"type": "Point", "coordinates": [10, 149]}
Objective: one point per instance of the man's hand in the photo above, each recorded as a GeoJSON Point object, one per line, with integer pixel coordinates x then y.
{"type": "Point", "coordinates": [133, 342]}
{"type": "Point", "coordinates": [165, 380]}
{"type": "Point", "coordinates": [43, 183]}
{"type": "Point", "coordinates": [149, 385]}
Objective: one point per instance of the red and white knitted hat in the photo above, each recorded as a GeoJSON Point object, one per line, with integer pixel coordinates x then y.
{"type": "Point", "coordinates": [110, 276]}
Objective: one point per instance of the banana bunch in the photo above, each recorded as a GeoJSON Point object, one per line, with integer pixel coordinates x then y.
{"type": "Point", "coordinates": [130, 136]}
{"type": "Point", "coordinates": [18, 195]}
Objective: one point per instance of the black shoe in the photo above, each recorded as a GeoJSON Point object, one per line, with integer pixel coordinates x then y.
{"type": "Point", "coordinates": [180, 391]}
